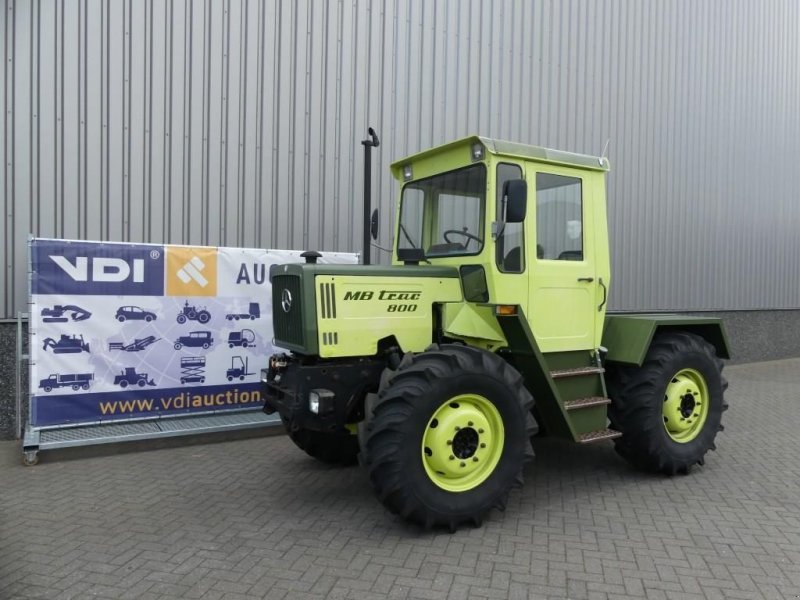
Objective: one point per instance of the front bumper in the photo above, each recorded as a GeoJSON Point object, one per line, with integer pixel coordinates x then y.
{"type": "Point", "coordinates": [340, 386]}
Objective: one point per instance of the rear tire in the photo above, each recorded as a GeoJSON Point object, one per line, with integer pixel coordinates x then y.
{"type": "Point", "coordinates": [478, 397]}
{"type": "Point", "coordinates": [640, 402]}
{"type": "Point", "coordinates": [330, 448]}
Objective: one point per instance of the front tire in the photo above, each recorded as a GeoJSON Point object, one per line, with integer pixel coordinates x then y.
{"type": "Point", "coordinates": [669, 410]}
{"type": "Point", "coordinates": [450, 436]}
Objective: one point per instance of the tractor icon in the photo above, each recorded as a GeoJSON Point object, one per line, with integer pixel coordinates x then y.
{"type": "Point", "coordinates": [192, 313]}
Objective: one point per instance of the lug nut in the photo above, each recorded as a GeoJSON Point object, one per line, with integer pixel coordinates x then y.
{"type": "Point", "coordinates": [469, 423]}
{"type": "Point", "coordinates": [449, 442]}
{"type": "Point", "coordinates": [483, 445]}
{"type": "Point", "coordinates": [480, 430]}
{"type": "Point", "coordinates": [474, 459]}
{"type": "Point", "coordinates": [463, 464]}
{"type": "Point", "coordinates": [458, 428]}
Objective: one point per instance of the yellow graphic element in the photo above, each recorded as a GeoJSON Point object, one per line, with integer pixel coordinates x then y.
{"type": "Point", "coordinates": [191, 271]}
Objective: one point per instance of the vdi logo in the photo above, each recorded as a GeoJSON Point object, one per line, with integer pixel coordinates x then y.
{"type": "Point", "coordinates": [191, 271]}
{"type": "Point", "coordinates": [97, 268]}
{"type": "Point", "coordinates": [103, 269]}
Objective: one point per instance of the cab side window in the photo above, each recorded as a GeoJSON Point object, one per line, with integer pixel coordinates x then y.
{"type": "Point", "coordinates": [510, 245]}
{"type": "Point", "coordinates": [559, 217]}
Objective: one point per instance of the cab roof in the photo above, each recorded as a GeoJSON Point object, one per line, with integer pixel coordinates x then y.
{"type": "Point", "coordinates": [515, 150]}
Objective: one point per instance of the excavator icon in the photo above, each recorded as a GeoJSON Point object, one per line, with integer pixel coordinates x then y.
{"type": "Point", "coordinates": [57, 313]}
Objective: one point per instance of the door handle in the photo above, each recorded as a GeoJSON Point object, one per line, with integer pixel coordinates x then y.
{"type": "Point", "coordinates": [586, 279]}
{"type": "Point", "coordinates": [605, 294]}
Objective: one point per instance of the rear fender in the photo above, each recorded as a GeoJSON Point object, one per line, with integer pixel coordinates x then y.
{"type": "Point", "coordinates": [628, 337]}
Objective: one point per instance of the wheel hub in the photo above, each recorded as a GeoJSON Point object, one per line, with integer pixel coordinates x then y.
{"type": "Point", "coordinates": [687, 405]}
{"type": "Point", "coordinates": [463, 442]}
{"type": "Point", "coordinates": [685, 409]}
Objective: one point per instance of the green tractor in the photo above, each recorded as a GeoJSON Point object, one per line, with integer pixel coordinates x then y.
{"type": "Point", "coordinates": [489, 327]}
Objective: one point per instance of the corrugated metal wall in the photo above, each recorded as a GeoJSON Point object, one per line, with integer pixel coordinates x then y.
{"type": "Point", "coordinates": [238, 123]}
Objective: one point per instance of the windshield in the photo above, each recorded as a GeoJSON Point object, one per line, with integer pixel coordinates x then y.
{"type": "Point", "coordinates": [444, 214]}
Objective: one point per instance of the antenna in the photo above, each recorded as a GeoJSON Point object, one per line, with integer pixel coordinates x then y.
{"type": "Point", "coordinates": [603, 153]}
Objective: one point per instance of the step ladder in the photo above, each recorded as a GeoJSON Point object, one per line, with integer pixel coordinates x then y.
{"type": "Point", "coordinates": [586, 413]}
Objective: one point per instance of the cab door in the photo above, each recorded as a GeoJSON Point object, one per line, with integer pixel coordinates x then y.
{"type": "Point", "coordinates": [563, 280]}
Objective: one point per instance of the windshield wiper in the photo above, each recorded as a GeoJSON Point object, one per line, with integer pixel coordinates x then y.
{"type": "Point", "coordinates": [408, 237]}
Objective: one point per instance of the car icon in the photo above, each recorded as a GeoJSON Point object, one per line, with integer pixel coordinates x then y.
{"type": "Point", "coordinates": [134, 313]}
{"type": "Point", "coordinates": [195, 339]}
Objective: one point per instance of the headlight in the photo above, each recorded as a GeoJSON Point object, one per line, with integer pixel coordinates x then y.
{"type": "Point", "coordinates": [313, 402]}
{"type": "Point", "coordinates": [320, 401]}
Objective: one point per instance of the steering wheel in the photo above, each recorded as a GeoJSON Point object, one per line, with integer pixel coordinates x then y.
{"type": "Point", "coordinates": [466, 234]}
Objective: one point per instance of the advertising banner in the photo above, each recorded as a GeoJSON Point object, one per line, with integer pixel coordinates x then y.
{"type": "Point", "coordinates": [123, 331]}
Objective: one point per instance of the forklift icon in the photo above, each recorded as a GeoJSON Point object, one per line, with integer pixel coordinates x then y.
{"type": "Point", "coordinates": [239, 369]}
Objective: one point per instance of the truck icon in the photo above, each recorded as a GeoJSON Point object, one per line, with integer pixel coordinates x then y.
{"type": "Point", "coordinates": [76, 381]}
{"type": "Point", "coordinates": [253, 312]}
{"type": "Point", "coordinates": [243, 338]}
{"type": "Point", "coordinates": [130, 377]}
{"type": "Point", "coordinates": [195, 339]}
{"type": "Point", "coordinates": [66, 344]}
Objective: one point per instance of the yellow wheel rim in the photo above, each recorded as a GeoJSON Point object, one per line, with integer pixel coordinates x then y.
{"type": "Point", "coordinates": [685, 407]}
{"type": "Point", "coordinates": [463, 443]}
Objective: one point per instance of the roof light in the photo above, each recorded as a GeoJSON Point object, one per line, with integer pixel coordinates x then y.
{"type": "Point", "coordinates": [477, 151]}
{"type": "Point", "coordinates": [407, 175]}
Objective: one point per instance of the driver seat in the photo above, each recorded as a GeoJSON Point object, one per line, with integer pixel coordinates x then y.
{"type": "Point", "coordinates": [513, 260]}
{"type": "Point", "coordinates": [446, 248]}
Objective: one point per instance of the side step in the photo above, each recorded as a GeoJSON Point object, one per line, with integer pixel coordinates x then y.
{"type": "Point", "coordinates": [586, 402]}
{"type": "Point", "coordinates": [576, 372]}
{"type": "Point", "coordinates": [598, 436]}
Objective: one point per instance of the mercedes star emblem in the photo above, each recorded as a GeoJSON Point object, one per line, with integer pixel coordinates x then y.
{"type": "Point", "coordinates": [286, 300]}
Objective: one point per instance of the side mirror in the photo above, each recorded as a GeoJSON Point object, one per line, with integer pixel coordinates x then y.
{"type": "Point", "coordinates": [515, 193]}
{"type": "Point", "coordinates": [373, 224]}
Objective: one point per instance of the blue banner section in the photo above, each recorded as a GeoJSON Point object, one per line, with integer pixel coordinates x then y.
{"type": "Point", "coordinates": [86, 268]}
{"type": "Point", "coordinates": [141, 402]}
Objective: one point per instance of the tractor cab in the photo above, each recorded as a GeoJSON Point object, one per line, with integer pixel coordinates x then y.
{"type": "Point", "coordinates": [523, 225]}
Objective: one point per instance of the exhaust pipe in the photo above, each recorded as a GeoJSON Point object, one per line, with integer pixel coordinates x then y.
{"type": "Point", "coordinates": [368, 144]}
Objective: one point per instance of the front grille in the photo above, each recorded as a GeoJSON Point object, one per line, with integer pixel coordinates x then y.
{"type": "Point", "coordinates": [288, 326]}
